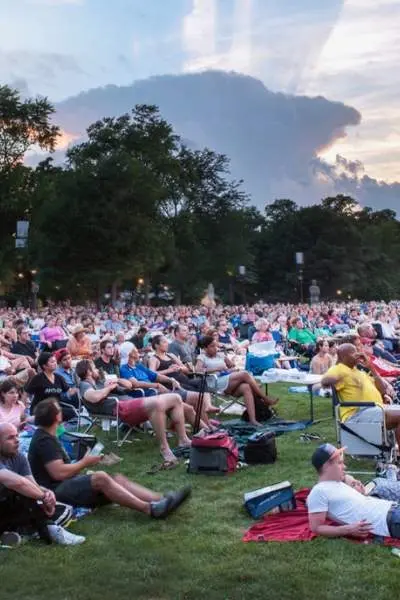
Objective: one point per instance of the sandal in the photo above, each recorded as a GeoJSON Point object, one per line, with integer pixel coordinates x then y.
{"type": "Point", "coordinates": [167, 465]}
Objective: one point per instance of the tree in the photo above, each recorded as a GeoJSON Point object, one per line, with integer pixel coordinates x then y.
{"type": "Point", "coordinates": [23, 124]}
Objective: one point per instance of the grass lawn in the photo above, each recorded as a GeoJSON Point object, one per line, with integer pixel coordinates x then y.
{"type": "Point", "coordinates": [198, 553]}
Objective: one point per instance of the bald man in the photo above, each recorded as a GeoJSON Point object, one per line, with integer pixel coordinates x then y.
{"type": "Point", "coordinates": [23, 503]}
{"type": "Point", "coordinates": [354, 385]}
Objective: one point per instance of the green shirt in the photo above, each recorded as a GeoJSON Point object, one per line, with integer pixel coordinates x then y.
{"type": "Point", "coordinates": [302, 336]}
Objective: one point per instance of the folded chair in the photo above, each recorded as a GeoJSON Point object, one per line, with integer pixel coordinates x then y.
{"type": "Point", "coordinates": [364, 440]}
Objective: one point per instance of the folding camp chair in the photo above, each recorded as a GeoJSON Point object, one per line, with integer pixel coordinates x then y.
{"type": "Point", "coordinates": [108, 420]}
{"type": "Point", "coordinates": [364, 440]}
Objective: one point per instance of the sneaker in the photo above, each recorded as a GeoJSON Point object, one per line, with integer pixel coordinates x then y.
{"type": "Point", "coordinates": [160, 508]}
{"type": "Point", "coordinates": [10, 539]}
{"type": "Point", "coordinates": [61, 536]}
{"type": "Point", "coordinates": [177, 498]}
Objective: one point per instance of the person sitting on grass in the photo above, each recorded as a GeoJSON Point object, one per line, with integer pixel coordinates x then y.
{"type": "Point", "coordinates": [354, 385]}
{"type": "Point", "coordinates": [52, 468]}
{"type": "Point", "coordinates": [25, 505]}
{"type": "Point", "coordinates": [354, 513]}
{"type": "Point", "coordinates": [98, 397]}
{"type": "Point", "coordinates": [230, 381]}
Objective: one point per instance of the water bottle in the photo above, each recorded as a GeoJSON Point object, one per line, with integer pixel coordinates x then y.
{"type": "Point", "coordinates": [391, 473]}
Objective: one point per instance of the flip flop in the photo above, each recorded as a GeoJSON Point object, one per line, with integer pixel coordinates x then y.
{"type": "Point", "coordinates": [167, 465]}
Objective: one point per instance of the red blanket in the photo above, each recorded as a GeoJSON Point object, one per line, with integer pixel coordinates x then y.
{"type": "Point", "coordinates": [292, 526]}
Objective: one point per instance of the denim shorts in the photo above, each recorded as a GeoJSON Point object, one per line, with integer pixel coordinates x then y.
{"type": "Point", "coordinates": [393, 521]}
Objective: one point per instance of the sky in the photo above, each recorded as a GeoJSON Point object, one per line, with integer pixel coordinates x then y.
{"type": "Point", "coordinates": [345, 50]}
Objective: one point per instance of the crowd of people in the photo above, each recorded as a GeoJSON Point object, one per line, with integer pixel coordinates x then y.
{"type": "Point", "coordinates": [146, 363]}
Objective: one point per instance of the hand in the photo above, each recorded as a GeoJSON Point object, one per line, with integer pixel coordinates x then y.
{"type": "Point", "coordinates": [90, 460]}
{"type": "Point", "coordinates": [361, 529]}
{"type": "Point", "coordinates": [49, 502]}
{"type": "Point", "coordinates": [161, 388]}
{"type": "Point", "coordinates": [72, 391]}
{"type": "Point", "coordinates": [112, 385]}
{"type": "Point", "coordinates": [175, 384]}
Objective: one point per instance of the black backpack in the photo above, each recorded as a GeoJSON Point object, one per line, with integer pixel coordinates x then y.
{"type": "Point", "coordinates": [263, 412]}
{"type": "Point", "coordinates": [261, 448]}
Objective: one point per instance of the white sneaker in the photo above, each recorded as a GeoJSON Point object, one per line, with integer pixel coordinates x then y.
{"type": "Point", "coordinates": [61, 536]}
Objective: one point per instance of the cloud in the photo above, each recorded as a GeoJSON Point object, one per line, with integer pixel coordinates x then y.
{"type": "Point", "coordinates": [38, 70]}
{"type": "Point", "coordinates": [55, 2]}
{"type": "Point", "coordinates": [258, 38]}
{"type": "Point", "coordinates": [359, 64]}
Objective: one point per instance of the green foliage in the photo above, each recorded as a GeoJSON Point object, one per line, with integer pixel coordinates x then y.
{"type": "Point", "coordinates": [345, 248]}
{"type": "Point", "coordinates": [133, 201]}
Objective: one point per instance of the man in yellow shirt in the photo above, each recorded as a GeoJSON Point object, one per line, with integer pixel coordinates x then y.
{"type": "Point", "coordinates": [354, 385]}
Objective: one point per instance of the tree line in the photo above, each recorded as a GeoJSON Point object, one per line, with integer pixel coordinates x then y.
{"type": "Point", "coordinates": [133, 205]}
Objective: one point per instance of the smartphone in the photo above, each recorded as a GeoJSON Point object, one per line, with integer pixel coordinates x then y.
{"type": "Point", "coordinates": [369, 488]}
{"type": "Point", "coordinates": [97, 449]}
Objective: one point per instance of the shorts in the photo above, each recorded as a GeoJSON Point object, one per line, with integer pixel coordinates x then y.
{"type": "Point", "coordinates": [133, 412]}
{"type": "Point", "coordinates": [78, 491]}
{"type": "Point", "coordinates": [393, 521]}
{"type": "Point", "coordinates": [182, 393]}
{"type": "Point", "coordinates": [367, 415]}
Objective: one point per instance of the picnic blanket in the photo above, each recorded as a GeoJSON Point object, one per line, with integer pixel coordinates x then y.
{"type": "Point", "coordinates": [292, 526]}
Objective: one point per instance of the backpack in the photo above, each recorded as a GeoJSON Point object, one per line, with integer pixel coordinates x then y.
{"type": "Point", "coordinates": [213, 453]}
{"type": "Point", "coordinates": [261, 448]}
{"type": "Point", "coordinates": [263, 412]}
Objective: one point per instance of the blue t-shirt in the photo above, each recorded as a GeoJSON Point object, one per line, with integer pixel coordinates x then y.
{"type": "Point", "coordinates": [139, 372]}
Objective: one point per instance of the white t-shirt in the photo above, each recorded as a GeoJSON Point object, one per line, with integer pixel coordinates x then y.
{"type": "Point", "coordinates": [345, 505]}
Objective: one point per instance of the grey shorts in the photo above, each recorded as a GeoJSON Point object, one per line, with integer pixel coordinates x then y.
{"type": "Point", "coordinates": [367, 415]}
{"type": "Point", "coordinates": [78, 491]}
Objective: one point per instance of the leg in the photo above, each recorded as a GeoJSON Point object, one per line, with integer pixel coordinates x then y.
{"type": "Point", "coordinates": [157, 407]}
{"type": "Point", "coordinates": [392, 420]}
{"type": "Point", "coordinates": [137, 490]}
{"type": "Point", "coordinates": [112, 490]}
{"type": "Point", "coordinates": [245, 390]}
{"type": "Point", "coordinates": [20, 363]}
{"type": "Point", "coordinates": [192, 399]}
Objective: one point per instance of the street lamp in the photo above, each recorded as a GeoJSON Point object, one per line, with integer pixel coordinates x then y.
{"type": "Point", "coordinates": [20, 275]}
{"type": "Point", "coordinates": [339, 292]}
{"type": "Point", "coordinates": [140, 281]}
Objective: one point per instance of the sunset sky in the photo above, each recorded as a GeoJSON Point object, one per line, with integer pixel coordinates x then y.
{"type": "Point", "coordinates": [345, 50]}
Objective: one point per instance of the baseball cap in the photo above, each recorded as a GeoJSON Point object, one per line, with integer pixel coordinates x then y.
{"type": "Point", "coordinates": [324, 453]}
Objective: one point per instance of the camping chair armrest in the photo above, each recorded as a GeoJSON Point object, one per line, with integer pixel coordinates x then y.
{"type": "Point", "coordinates": [357, 404]}
{"type": "Point", "coordinates": [141, 392]}
{"type": "Point", "coordinates": [70, 407]}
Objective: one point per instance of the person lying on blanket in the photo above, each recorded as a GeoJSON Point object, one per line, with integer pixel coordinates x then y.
{"type": "Point", "coordinates": [331, 498]}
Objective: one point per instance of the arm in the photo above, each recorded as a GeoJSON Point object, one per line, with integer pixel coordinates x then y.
{"type": "Point", "coordinates": [95, 396]}
{"type": "Point", "coordinates": [201, 368]}
{"type": "Point", "coordinates": [59, 471]}
{"type": "Point", "coordinates": [329, 380]}
{"type": "Point", "coordinates": [318, 525]}
{"type": "Point", "coordinates": [21, 485]}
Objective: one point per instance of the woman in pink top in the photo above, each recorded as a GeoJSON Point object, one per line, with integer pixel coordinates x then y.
{"type": "Point", "coordinates": [12, 410]}
{"type": "Point", "coordinates": [262, 334]}
{"type": "Point", "coordinates": [53, 336]}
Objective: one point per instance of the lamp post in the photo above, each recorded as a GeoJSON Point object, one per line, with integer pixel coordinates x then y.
{"type": "Point", "coordinates": [299, 259]}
